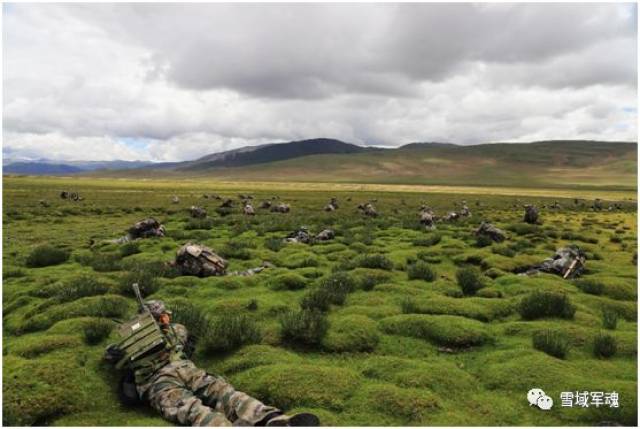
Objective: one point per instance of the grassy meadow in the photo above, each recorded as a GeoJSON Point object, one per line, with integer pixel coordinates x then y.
{"type": "Point", "coordinates": [419, 328]}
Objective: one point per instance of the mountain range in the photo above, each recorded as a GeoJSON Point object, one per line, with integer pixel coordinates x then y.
{"type": "Point", "coordinates": [558, 163]}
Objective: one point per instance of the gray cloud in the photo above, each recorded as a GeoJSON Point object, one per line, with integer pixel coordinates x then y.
{"type": "Point", "coordinates": [196, 78]}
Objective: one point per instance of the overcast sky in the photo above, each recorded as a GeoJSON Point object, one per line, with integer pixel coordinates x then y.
{"type": "Point", "coordinates": [175, 82]}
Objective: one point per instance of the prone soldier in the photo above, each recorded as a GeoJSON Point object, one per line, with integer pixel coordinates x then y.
{"type": "Point", "coordinates": [156, 352]}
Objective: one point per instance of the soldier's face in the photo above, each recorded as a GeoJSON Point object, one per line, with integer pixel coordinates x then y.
{"type": "Point", "coordinates": [164, 319]}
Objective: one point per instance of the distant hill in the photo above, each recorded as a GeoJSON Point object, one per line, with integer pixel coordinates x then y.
{"type": "Point", "coordinates": [549, 164]}
{"type": "Point", "coordinates": [558, 164]}
{"type": "Point", "coordinates": [38, 168]}
{"type": "Point", "coordinates": [45, 167]}
{"type": "Point", "coordinates": [262, 154]}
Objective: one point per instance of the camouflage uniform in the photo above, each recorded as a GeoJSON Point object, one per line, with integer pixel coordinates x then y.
{"type": "Point", "coordinates": [490, 231]}
{"type": "Point", "coordinates": [567, 262]}
{"type": "Point", "coordinates": [325, 235]}
{"type": "Point", "coordinates": [332, 206]}
{"type": "Point", "coordinates": [451, 216]}
{"type": "Point", "coordinates": [281, 208]}
{"type": "Point", "coordinates": [368, 210]}
{"type": "Point", "coordinates": [186, 394]}
{"type": "Point", "coordinates": [228, 203]}
{"type": "Point", "coordinates": [198, 212]}
{"type": "Point", "coordinates": [248, 210]}
{"type": "Point", "coordinates": [530, 214]}
{"type": "Point", "coordinates": [427, 218]}
{"type": "Point", "coordinates": [197, 260]}
{"type": "Point", "coordinates": [143, 229]}
{"type": "Point", "coordinates": [299, 236]}
{"type": "Point", "coordinates": [147, 228]}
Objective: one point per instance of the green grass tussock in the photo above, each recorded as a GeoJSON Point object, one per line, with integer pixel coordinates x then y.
{"type": "Point", "coordinates": [482, 309]}
{"type": "Point", "coordinates": [299, 385]}
{"type": "Point", "coordinates": [46, 255]}
{"type": "Point", "coordinates": [546, 304]}
{"type": "Point", "coordinates": [352, 334]}
{"type": "Point", "coordinates": [553, 343]}
{"type": "Point", "coordinates": [452, 331]}
{"type": "Point", "coordinates": [230, 331]}
{"type": "Point", "coordinates": [469, 279]}
{"type": "Point", "coordinates": [305, 327]}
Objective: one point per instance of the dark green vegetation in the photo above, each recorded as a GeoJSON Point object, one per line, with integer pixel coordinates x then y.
{"type": "Point", "coordinates": [553, 343]}
{"type": "Point", "coordinates": [372, 327]}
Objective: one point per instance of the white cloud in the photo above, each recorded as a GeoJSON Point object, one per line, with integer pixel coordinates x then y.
{"type": "Point", "coordinates": [188, 80]}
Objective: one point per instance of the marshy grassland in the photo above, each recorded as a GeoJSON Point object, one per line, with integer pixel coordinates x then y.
{"type": "Point", "coordinates": [387, 324]}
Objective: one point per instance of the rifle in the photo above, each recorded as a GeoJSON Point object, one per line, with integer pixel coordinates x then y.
{"type": "Point", "coordinates": [141, 306]}
{"type": "Point", "coordinates": [571, 268]}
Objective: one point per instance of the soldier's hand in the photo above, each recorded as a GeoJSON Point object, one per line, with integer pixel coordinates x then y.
{"type": "Point", "coordinates": [113, 354]}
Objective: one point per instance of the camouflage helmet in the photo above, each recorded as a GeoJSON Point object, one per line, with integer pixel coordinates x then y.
{"type": "Point", "coordinates": [156, 307]}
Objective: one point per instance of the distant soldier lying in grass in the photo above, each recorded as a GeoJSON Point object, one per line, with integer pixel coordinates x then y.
{"type": "Point", "coordinates": [567, 262]}
{"type": "Point", "coordinates": [145, 228]}
{"type": "Point", "coordinates": [156, 352]}
{"type": "Point", "coordinates": [197, 260]}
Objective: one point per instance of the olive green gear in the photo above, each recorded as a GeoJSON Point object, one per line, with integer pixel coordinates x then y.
{"type": "Point", "coordinates": [139, 336]}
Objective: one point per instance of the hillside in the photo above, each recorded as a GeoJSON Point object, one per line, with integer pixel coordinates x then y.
{"type": "Point", "coordinates": [269, 153]}
{"type": "Point", "coordinates": [555, 164]}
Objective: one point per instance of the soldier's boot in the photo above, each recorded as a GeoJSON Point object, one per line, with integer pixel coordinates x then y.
{"type": "Point", "coordinates": [300, 419]}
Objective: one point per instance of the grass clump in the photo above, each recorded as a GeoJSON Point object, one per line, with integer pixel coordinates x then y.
{"type": "Point", "coordinates": [128, 249]}
{"type": "Point", "coordinates": [546, 304]}
{"type": "Point", "coordinates": [287, 281]}
{"type": "Point", "coordinates": [337, 286]}
{"type": "Point", "coordinates": [470, 280]}
{"type": "Point", "coordinates": [330, 290]}
{"type": "Point", "coordinates": [523, 228]}
{"type": "Point", "coordinates": [316, 299]}
{"type": "Point", "coordinates": [430, 240]}
{"type": "Point", "coordinates": [146, 280]}
{"type": "Point", "coordinates": [97, 330]}
{"type": "Point", "coordinates": [503, 250]}
{"type": "Point", "coordinates": [101, 262]}
{"type": "Point", "coordinates": [553, 343]}
{"type": "Point", "coordinates": [604, 346]}
{"type": "Point", "coordinates": [229, 332]}
{"type": "Point", "coordinates": [366, 279]}
{"type": "Point", "coordinates": [422, 271]}
{"type": "Point", "coordinates": [45, 344]}
{"type": "Point", "coordinates": [273, 244]}
{"type": "Point", "coordinates": [291, 384]}
{"type": "Point", "coordinates": [192, 317]}
{"type": "Point", "coordinates": [96, 306]}
{"type": "Point", "coordinates": [34, 393]}
{"type": "Point", "coordinates": [236, 249]}
{"type": "Point", "coordinates": [352, 333]}
{"type": "Point", "coordinates": [452, 331]}
{"type": "Point", "coordinates": [375, 260]}
{"type": "Point", "coordinates": [199, 223]}
{"type": "Point", "coordinates": [482, 309]}
{"type": "Point", "coordinates": [609, 318]}
{"type": "Point", "coordinates": [79, 287]}
{"type": "Point", "coordinates": [46, 255]}
{"type": "Point", "coordinates": [408, 404]}
{"type": "Point", "coordinates": [483, 241]}
{"type": "Point", "coordinates": [305, 327]}
{"type": "Point", "coordinates": [589, 286]}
